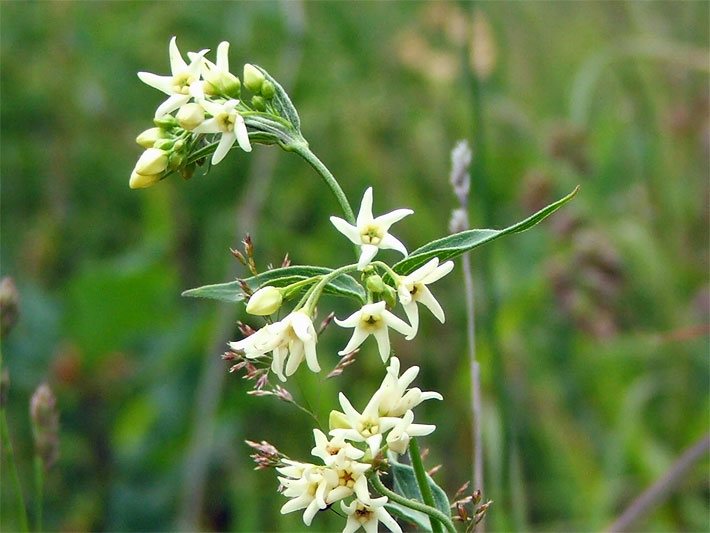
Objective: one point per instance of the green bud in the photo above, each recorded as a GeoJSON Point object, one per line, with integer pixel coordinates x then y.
{"type": "Point", "coordinates": [164, 144]}
{"type": "Point", "coordinates": [165, 122]}
{"type": "Point", "coordinates": [148, 138]}
{"type": "Point", "coordinates": [338, 420]}
{"type": "Point", "coordinates": [187, 171]}
{"type": "Point", "coordinates": [259, 103]}
{"type": "Point", "coordinates": [253, 78]}
{"type": "Point", "coordinates": [268, 90]}
{"type": "Point", "coordinates": [223, 84]}
{"type": "Point", "coordinates": [175, 160]}
{"type": "Point", "coordinates": [265, 301]}
{"type": "Point", "coordinates": [375, 284]}
{"type": "Point", "coordinates": [390, 296]}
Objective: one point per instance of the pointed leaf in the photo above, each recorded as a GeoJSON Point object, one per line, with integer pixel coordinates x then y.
{"type": "Point", "coordinates": [343, 285]}
{"type": "Point", "coordinates": [417, 518]}
{"type": "Point", "coordinates": [404, 482]}
{"type": "Point", "coordinates": [459, 243]}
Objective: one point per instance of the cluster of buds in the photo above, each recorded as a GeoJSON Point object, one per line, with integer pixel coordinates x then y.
{"type": "Point", "coordinates": [353, 452]}
{"type": "Point", "coordinates": [204, 100]}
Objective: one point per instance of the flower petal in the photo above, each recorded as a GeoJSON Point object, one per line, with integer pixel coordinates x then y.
{"type": "Point", "coordinates": [177, 63]}
{"type": "Point", "coordinates": [223, 56]}
{"type": "Point", "coordinates": [396, 323]}
{"type": "Point", "coordinates": [386, 220]}
{"type": "Point", "coordinates": [426, 298]}
{"type": "Point", "coordinates": [389, 242]}
{"type": "Point", "coordinates": [225, 143]}
{"type": "Point", "coordinates": [364, 216]}
{"type": "Point", "coordinates": [359, 336]}
{"type": "Point", "coordinates": [366, 255]}
{"type": "Point", "coordinates": [162, 83]}
{"type": "Point", "coordinates": [438, 273]}
{"type": "Point", "coordinates": [383, 343]}
{"type": "Point", "coordinates": [173, 102]}
{"type": "Point", "coordinates": [240, 128]}
{"type": "Point", "coordinates": [412, 312]}
{"type": "Point", "coordinates": [346, 229]}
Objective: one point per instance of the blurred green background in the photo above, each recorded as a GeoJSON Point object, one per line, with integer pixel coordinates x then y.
{"type": "Point", "coordinates": [592, 327]}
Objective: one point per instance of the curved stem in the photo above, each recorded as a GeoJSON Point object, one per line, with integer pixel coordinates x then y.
{"type": "Point", "coordinates": [434, 514]}
{"type": "Point", "coordinates": [318, 289]}
{"type": "Point", "coordinates": [301, 148]}
{"type": "Point", "coordinates": [420, 474]}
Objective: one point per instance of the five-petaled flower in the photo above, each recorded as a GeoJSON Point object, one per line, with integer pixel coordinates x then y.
{"type": "Point", "coordinates": [367, 515]}
{"type": "Point", "coordinates": [227, 121]}
{"type": "Point", "coordinates": [179, 83]}
{"type": "Point", "coordinates": [394, 397]}
{"type": "Point", "coordinates": [371, 233]}
{"type": "Point", "coordinates": [373, 319]}
{"type": "Point", "coordinates": [413, 288]}
{"type": "Point", "coordinates": [292, 338]}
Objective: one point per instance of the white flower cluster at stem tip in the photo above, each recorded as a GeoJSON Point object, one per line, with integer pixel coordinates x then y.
{"type": "Point", "coordinates": [345, 467]}
{"type": "Point", "coordinates": [205, 98]}
{"type": "Point", "coordinates": [289, 339]}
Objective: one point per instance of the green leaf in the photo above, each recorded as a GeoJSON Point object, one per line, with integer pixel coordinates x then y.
{"type": "Point", "coordinates": [405, 483]}
{"type": "Point", "coordinates": [282, 102]}
{"type": "Point", "coordinates": [343, 285]}
{"type": "Point", "coordinates": [417, 518]}
{"type": "Point", "coordinates": [459, 243]}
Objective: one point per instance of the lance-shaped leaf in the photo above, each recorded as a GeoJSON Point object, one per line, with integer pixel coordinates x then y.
{"type": "Point", "coordinates": [343, 285]}
{"type": "Point", "coordinates": [459, 243]}
{"type": "Point", "coordinates": [404, 482]}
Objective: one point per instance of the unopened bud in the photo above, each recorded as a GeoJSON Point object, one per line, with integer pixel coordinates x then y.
{"type": "Point", "coordinates": [9, 305]}
{"type": "Point", "coordinates": [148, 138]}
{"type": "Point", "coordinates": [165, 122]}
{"type": "Point", "coordinates": [223, 84]}
{"type": "Point", "coordinates": [390, 296]}
{"type": "Point", "coordinates": [164, 144]}
{"type": "Point", "coordinates": [45, 424]}
{"type": "Point", "coordinates": [338, 420]}
{"type": "Point", "coordinates": [152, 161]}
{"type": "Point", "coordinates": [259, 103]}
{"type": "Point", "coordinates": [265, 301]}
{"type": "Point", "coordinates": [253, 78]}
{"type": "Point", "coordinates": [190, 116]}
{"type": "Point", "coordinates": [375, 284]}
{"type": "Point", "coordinates": [268, 90]}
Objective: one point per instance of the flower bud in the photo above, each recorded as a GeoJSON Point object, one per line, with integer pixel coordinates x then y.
{"type": "Point", "coordinates": [148, 138]}
{"type": "Point", "coordinates": [152, 161]}
{"type": "Point", "coordinates": [258, 103]}
{"type": "Point", "coordinates": [223, 83]}
{"type": "Point", "coordinates": [375, 284]}
{"type": "Point", "coordinates": [141, 181]}
{"type": "Point", "coordinates": [45, 424]}
{"type": "Point", "coordinates": [165, 122]}
{"type": "Point", "coordinates": [265, 301]}
{"type": "Point", "coordinates": [268, 90]}
{"type": "Point", "coordinates": [390, 297]}
{"type": "Point", "coordinates": [9, 305]}
{"type": "Point", "coordinates": [190, 116]}
{"type": "Point", "coordinates": [253, 78]}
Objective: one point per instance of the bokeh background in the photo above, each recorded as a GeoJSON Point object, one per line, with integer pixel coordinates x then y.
{"type": "Point", "coordinates": [591, 328]}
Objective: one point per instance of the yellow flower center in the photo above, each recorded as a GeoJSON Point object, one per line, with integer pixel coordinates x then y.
{"type": "Point", "coordinates": [371, 234]}
{"type": "Point", "coordinates": [225, 121]}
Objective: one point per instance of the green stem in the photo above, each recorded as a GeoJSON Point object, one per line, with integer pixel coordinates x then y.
{"type": "Point", "coordinates": [433, 513]}
{"type": "Point", "coordinates": [7, 445]}
{"type": "Point", "coordinates": [391, 273]}
{"type": "Point", "coordinates": [301, 148]}
{"type": "Point", "coordinates": [39, 492]}
{"type": "Point", "coordinates": [318, 289]}
{"type": "Point", "coordinates": [420, 474]}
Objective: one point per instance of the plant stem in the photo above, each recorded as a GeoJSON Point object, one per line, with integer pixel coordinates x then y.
{"type": "Point", "coordinates": [7, 445]}
{"type": "Point", "coordinates": [301, 148]}
{"type": "Point", "coordinates": [39, 491]}
{"type": "Point", "coordinates": [434, 514]}
{"type": "Point", "coordinates": [420, 474]}
{"type": "Point", "coordinates": [318, 289]}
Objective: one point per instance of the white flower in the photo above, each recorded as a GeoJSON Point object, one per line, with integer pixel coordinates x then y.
{"type": "Point", "coordinates": [351, 479]}
{"type": "Point", "coordinates": [367, 515]}
{"type": "Point", "coordinates": [227, 121]}
{"type": "Point", "coordinates": [413, 288]}
{"type": "Point", "coordinates": [395, 399]}
{"type": "Point", "coordinates": [292, 338]}
{"type": "Point", "coordinates": [373, 319]}
{"type": "Point", "coordinates": [177, 85]}
{"type": "Point", "coordinates": [307, 485]}
{"type": "Point", "coordinates": [329, 450]}
{"type": "Point", "coordinates": [367, 427]}
{"type": "Point", "coordinates": [398, 438]}
{"type": "Point", "coordinates": [371, 233]}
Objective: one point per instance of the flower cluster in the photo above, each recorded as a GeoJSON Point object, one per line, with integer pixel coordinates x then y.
{"type": "Point", "coordinates": [355, 441]}
{"type": "Point", "coordinates": [294, 337]}
{"type": "Point", "coordinates": [204, 100]}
